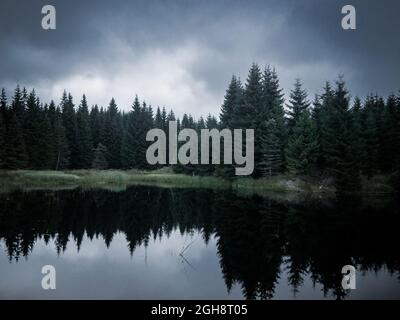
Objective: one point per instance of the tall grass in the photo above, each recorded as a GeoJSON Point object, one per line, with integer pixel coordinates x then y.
{"type": "Point", "coordinates": [27, 180]}
{"type": "Point", "coordinates": [118, 180]}
{"type": "Point", "coordinates": [111, 179]}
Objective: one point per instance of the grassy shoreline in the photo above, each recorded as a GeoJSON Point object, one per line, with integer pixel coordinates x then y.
{"type": "Point", "coordinates": [119, 180]}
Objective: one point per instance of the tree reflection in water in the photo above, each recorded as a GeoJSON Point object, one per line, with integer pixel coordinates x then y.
{"type": "Point", "coordinates": [256, 236]}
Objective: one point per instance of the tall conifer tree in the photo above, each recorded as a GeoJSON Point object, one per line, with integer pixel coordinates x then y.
{"type": "Point", "coordinates": [2, 142]}
{"type": "Point", "coordinates": [298, 104]}
{"type": "Point", "coordinates": [340, 149]}
{"type": "Point", "coordinates": [301, 152]}
{"type": "Point", "coordinates": [15, 157]}
{"type": "Point", "coordinates": [69, 123]}
{"type": "Point", "coordinates": [84, 137]}
{"type": "Point", "coordinates": [112, 135]}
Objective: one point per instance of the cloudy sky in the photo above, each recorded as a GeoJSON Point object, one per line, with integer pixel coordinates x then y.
{"type": "Point", "coordinates": [182, 54]}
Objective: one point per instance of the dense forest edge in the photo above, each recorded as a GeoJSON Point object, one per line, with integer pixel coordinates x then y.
{"type": "Point", "coordinates": [335, 143]}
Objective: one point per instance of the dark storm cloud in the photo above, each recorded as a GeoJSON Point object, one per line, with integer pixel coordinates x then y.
{"type": "Point", "coordinates": [183, 53]}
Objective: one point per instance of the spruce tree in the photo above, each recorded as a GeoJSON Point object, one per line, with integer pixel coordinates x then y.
{"type": "Point", "coordinates": [15, 157]}
{"type": "Point", "coordinates": [69, 123]}
{"type": "Point", "coordinates": [370, 138]}
{"type": "Point", "coordinates": [211, 122]}
{"type": "Point", "coordinates": [37, 134]}
{"type": "Point", "coordinates": [18, 103]}
{"type": "Point", "coordinates": [134, 144]}
{"type": "Point", "coordinates": [249, 114]}
{"type": "Point", "coordinates": [340, 149]}
{"type": "Point", "coordinates": [45, 139]}
{"type": "Point", "coordinates": [387, 131]}
{"type": "Point", "coordinates": [2, 141]}
{"type": "Point", "coordinates": [301, 152]}
{"type": "Point", "coordinates": [250, 103]}
{"type": "Point", "coordinates": [270, 163]}
{"type": "Point", "coordinates": [383, 126]}
{"type": "Point", "coordinates": [158, 121]}
{"type": "Point", "coordinates": [272, 96]}
{"type": "Point", "coordinates": [278, 113]}
{"type": "Point", "coordinates": [302, 145]}
{"type": "Point", "coordinates": [187, 122]}
{"type": "Point", "coordinates": [84, 137]}
{"type": "Point", "coordinates": [51, 115]}
{"type": "Point", "coordinates": [393, 107]}
{"type": "Point", "coordinates": [31, 131]}
{"type": "Point", "coordinates": [320, 115]}
{"type": "Point", "coordinates": [99, 160]}
{"type": "Point", "coordinates": [59, 158]}
{"type": "Point", "coordinates": [170, 117]}
{"type": "Point", "coordinates": [395, 177]}
{"type": "Point", "coordinates": [96, 124]}
{"type": "Point", "coordinates": [356, 133]}
{"type": "Point", "coordinates": [272, 109]}
{"type": "Point", "coordinates": [62, 152]}
{"type": "Point", "coordinates": [112, 135]}
{"type": "Point", "coordinates": [164, 117]}
{"type": "Point", "coordinates": [133, 147]}
{"type": "Point", "coordinates": [298, 104]}
{"type": "Point", "coordinates": [3, 106]}
{"type": "Point", "coordinates": [202, 169]}
{"type": "Point", "coordinates": [3, 127]}
{"type": "Point", "coordinates": [232, 101]}
{"type": "Point", "coordinates": [147, 125]}
{"type": "Point", "coordinates": [201, 124]}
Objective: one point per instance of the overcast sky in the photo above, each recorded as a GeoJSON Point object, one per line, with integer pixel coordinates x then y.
{"type": "Point", "coordinates": [182, 54]}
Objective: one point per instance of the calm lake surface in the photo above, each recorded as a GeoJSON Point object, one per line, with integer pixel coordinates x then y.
{"type": "Point", "coordinates": [159, 243]}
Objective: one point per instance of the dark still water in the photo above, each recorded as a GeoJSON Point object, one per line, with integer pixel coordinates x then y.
{"type": "Point", "coordinates": [159, 243]}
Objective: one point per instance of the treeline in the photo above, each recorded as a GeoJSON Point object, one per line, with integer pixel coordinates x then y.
{"type": "Point", "coordinates": [328, 137]}
{"type": "Point", "coordinates": [331, 136]}
{"type": "Point", "coordinates": [41, 136]}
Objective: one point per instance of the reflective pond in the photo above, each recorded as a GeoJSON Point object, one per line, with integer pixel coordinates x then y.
{"type": "Point", "coordinates": [162, 243]}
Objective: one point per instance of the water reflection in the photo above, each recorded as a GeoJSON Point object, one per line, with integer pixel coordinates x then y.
{"type": "Point", "coordinates": [150, 242]}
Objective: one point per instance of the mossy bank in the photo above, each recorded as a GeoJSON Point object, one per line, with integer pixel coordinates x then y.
{"type": "Point", "coordinates": [120, 180]}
